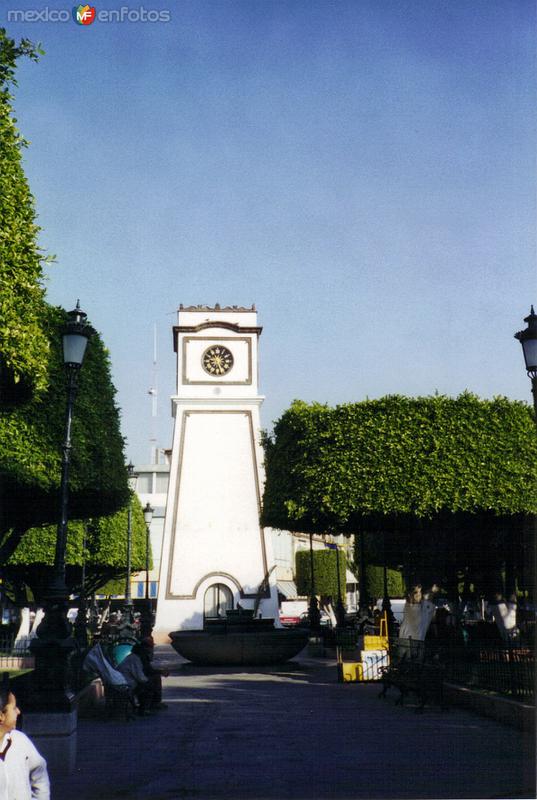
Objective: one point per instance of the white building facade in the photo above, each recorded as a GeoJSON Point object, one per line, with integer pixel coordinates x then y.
{"type": "Point", "coordinates": [152, 487]}
{"type": "Point", "coordinates": [285, 547]}
{"type": "Point", "coordinates": [215, 555]}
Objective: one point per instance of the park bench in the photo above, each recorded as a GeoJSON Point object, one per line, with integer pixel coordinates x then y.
{"type": "Point", "coordinates": [423, 679]}
{"type": "Point", "coordinates": [118, 696]}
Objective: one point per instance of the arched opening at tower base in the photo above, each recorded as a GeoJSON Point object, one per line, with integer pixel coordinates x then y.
{"type": "Point", "coordinates": [217, 601]}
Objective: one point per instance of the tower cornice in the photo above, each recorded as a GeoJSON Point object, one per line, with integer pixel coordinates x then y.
{"type": "Point", "coordinates": [217, 307]}
{"type": "Point", "coordinates": [230, 326]}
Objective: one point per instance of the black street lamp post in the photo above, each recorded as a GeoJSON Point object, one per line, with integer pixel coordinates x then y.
{"type": "Point", "coordinates": [314, 615]}
{"type": "Point", "coordinates": [340, 607]}
{"type": "Point", "coordinates": [126, 628]}
{"type": "Point", "coordinates": [54, 641]}
{"type": "Point", "coordinates": [148, 516]}
{"type": "Point", "coordinates": [146, 620]}
{"type": "Point", "coordinates": [75, 340]}
{"type": "Point", "coordinates": [386, 602]}
{"type": "Point", "coordinates": [364, 597]}
{"type": "Point", "coordinates": [81, 630]}
{"type": "Point", "coordinates": [528, 340]}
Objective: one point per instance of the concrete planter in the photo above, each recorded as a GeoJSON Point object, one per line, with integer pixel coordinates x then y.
{"type": "Point", "coordinates": [269, 646]}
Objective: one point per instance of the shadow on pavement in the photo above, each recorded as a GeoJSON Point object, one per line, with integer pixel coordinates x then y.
{"type": "Point", "coordinates": [292, 731]}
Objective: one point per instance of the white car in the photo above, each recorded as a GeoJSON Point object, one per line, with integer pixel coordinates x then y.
{"type": "Point", "coordinates": [397, 604]}
{"type": "Point", "coordinates": [325, 619]}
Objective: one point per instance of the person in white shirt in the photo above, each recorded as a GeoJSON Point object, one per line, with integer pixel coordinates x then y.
{"type": "Point", "coordinates": [23, 771]}
{"type": "Point", "coordinates": [418, 614]}
{"type": "Point", "coordinates": [504, 615]}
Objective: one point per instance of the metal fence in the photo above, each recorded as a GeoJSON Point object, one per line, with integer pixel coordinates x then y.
{"type": "Point", "coordinates": [508, 669]}
{"type": "Point", "coordinates": [505, 668]}
{"type": "Point", "coordinates": [15, 652]}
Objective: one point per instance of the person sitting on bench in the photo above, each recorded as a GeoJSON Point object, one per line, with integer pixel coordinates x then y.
{"type": "Point", "coordinates": [117, 691]}
{"type": "Point", "coordinates": [132, 670]}
{"type": "Point", "coordinates": [97, 663]}
{"type": "Point", "coordinates": [144, 651]}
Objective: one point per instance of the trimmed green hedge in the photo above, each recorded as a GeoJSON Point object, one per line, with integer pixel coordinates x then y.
{"type": "Point", "coordinates": [31, 439]}
{"type": "Point", "coordinates": [374, 576]}
{"type": "Point", "coordinates": [23, 342]}
{"type": "Point", "coordinates": [112, 587]}
{"type": "Point", "coordinates": [367, 463]}
{"type": "Point", "coordinates": [324, 572]}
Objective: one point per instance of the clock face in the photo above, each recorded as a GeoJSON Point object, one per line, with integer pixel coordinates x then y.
{"type": "Point", "coordinates": [217, 360]}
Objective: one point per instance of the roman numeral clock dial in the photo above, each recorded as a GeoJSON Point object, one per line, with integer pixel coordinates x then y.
{"type": "Point", "coordinates": [217, 360]}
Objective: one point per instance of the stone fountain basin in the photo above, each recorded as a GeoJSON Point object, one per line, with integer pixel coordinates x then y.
{"type": "Point", "coordinates": [269, 646]}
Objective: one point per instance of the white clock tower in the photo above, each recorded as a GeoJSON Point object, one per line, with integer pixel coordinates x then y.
{"type": "Point", "coordinates": [215, 555]}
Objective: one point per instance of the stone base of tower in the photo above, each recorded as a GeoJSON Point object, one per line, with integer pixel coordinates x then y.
{"type": "Point", "coordinates": [188, 614]}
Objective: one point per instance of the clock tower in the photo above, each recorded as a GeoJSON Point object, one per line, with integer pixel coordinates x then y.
{"type": "Point", "coordinates": [215, 554]}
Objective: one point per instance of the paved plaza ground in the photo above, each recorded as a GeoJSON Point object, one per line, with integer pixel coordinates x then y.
{"type": "Point", "coordinates": [293, 732]}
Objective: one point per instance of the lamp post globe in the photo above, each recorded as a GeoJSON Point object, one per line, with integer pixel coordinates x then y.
{"type": "Point", "coordinates": [54, 640]}
{"type": "Point", "coordinates": [148, 513]}
{"type": "Point", "coordinates": [75, 336]}
{"type": "Point", "coordinates": [528, 340]}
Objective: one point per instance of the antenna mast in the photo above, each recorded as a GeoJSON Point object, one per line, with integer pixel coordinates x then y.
{"type": "Point", "coordinates": [153, 391]}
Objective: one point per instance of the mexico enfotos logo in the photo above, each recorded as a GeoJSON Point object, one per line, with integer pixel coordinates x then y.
{"type": "Point", "coordinates": [86, 15]}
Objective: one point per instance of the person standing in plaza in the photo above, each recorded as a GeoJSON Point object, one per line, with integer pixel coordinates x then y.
{"type": "Point", "coordinates": [23, 771]}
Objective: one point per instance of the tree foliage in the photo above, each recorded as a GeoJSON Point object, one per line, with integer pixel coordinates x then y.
{"type": "Point", "coordinates": [105, 553]}
{"type": "Point", "coordinates": [31, 439]}
{"type": "Point", "coordinates": [23, 341]}
{"type": "Point", "coordinates": [33, 380]}
{"type": "Point", "coordinates": [324, 572]}
{"type": "Point", "coordinates": [372, 462]}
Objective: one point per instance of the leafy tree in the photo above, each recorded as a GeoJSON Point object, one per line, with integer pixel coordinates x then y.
{"type": "Point", "coordinates": [31, 438]}
{"type": "Point", "coordinates": [104, 555]}
{"type": "Point", "coordinates": [112, 587]}
{"type": "Point", "coordinates": [331, 469]}
{"type": "Point", "coordinates": [23, 341]}
{"type": "Point", "coordinates": [451, 480]}
{"type": "Point", "coordinates": [32, 375]}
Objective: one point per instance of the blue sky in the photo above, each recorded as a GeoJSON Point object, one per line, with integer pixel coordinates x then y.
{"type": "Point", "coordinates": [363, 171]}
